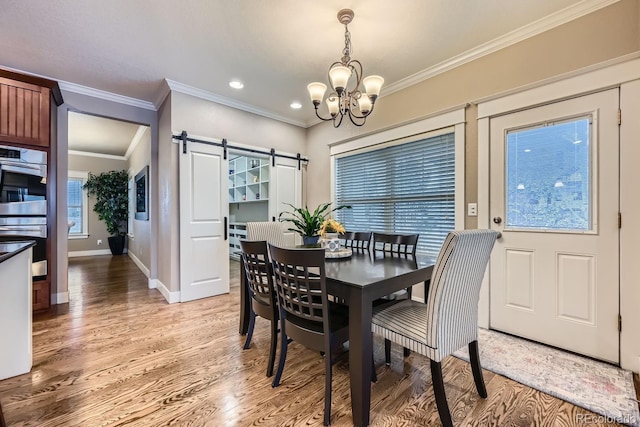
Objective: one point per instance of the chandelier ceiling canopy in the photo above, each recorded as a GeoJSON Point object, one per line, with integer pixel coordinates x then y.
{"type": "Point", "coordinates": [345, 77]}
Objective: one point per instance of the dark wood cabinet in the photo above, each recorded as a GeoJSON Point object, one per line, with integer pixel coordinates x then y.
{"type": "Point", "coordinates": [26, 104]}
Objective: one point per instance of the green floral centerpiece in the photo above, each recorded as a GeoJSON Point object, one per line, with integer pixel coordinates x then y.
{"type": "Point", "coordinates": [308, 224]}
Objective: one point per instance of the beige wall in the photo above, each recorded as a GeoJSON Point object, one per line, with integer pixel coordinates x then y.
{"type": "Point", "coordinates": [605, 34]}
{"type": "Point", "coordinates": [202, 118]}
{"type": "Point", "coordinates": [97, 229]}
{"type": "Point", "coordinates": [140, 236]}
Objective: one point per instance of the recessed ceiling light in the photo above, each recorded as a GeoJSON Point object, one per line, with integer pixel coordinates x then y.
{"type": "Point", "coordinates": [296, 105]}
{"type": "Point", "coordinates": [236, 84]}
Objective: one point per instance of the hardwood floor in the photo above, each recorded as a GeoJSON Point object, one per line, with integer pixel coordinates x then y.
{"type": "Point", "coordinates": [118, 354]}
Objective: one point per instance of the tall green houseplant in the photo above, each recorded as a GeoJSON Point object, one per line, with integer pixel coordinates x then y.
{"type": "Point", "coordinates": [112, 204]}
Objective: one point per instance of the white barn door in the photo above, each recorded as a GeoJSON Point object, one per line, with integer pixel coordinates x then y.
{"type": "Point", "coordinates": [204, 250]}
{"type": "Point", "coordinates": [286, 187]}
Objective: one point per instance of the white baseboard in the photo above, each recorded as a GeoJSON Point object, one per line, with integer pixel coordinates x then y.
{"type": "Point", "coordinates": [171, 297]}
{"type": "Point", "coordinates": [139, 263]}
{"type": "Point", "coordinates": [419, 299]}
{"type": "Point", "coordinates": [60, 298]}
{"type": "Point", "coordinates": [89, 253]}
{"type": "Point", "coordinates": [153, 283]}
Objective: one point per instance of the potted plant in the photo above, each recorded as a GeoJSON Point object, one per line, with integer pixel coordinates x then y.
{"type": "Point", "coordinates": [112, 204]}
{"type": "Point", "coordinates": [307, 223]}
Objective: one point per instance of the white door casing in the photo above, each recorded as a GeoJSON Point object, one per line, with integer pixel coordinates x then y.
{"type": "Point", "coordinates": [204, 260]}
{"type": "Point", "coordinates": [561, 287]}
{"type": "Point", "coordinates": [285, 187]}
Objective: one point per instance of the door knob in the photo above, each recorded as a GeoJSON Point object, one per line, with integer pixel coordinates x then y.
{"type": "Point", "coordinates": [497, 220]}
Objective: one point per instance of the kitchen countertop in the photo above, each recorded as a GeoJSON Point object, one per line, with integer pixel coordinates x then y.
{"type": "Point", "coordinates": [9, 249]}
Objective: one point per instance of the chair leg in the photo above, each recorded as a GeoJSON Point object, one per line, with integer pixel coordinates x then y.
{"type": "Point", "coordinates": [284, 343]}
{"type": "Point", "coordinates": [327, 389]}
{"type": "Point", "coordinates": [274, 344]}
{"type": "Point", "coordinates": [406, 352]}
{"type": "Point", "coordinates": [441, 398]}
{"type": "Point", "coordinates": [252, 323]}
{"type": "Point", "coordinates": [474, 358]}
{"type": "Point", "coordinates": [387, 352]}
{"type": "Point", "coordinates": [374, 375]}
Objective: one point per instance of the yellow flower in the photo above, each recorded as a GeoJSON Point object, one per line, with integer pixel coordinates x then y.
{"type": "Point", "coordinates": [331, 226]}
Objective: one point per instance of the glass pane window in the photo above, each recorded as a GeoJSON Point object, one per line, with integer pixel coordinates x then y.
{"type": "Point", "coordinates": [548, 179]}
{"type": "Point", "coordinates": [407, 188]}
{"type": "Point", "coordinates": [77, 213]}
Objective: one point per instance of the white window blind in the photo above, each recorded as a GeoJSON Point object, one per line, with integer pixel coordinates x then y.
{"type": "Point", "coordinates": [75, 204]}
{"type": "Point", "coordinates": [407, 188]}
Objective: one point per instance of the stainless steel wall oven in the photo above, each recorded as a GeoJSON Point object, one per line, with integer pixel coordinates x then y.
{"type": "Point", "coordinates": [23, 201]}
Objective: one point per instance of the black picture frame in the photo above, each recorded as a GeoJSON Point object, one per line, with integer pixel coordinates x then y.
{"type": "Point", "coordinates": [141, 183]}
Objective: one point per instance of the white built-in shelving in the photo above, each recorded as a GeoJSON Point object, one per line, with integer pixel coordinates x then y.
{"type": "Point", "coordinates": [248, 180]}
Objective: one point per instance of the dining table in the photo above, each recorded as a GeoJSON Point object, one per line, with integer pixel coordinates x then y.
{"type": "Point", "coordinates": [359, 280]}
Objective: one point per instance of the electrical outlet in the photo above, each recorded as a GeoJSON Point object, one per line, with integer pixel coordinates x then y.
{"type": "Point", "coordinates": [99, 242]}
{"type": "Point", "coordinates": [472, 209]}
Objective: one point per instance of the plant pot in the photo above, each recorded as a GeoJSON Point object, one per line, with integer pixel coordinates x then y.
{"type": "Point", "coordinates": [310, 240]}
{"type": "Point", "coordinates": [116, 244]}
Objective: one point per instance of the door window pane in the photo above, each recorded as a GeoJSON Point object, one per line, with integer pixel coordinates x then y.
{"type": "Point", "coordinates": [549, 176]}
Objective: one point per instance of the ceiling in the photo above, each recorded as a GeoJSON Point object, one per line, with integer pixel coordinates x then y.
{"type": "Point", "coordinates": [129, 47]}
{"type": "Point", "coordinates": [99, 135]}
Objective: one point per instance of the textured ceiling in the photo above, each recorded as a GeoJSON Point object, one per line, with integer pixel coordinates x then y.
{"type": "Point", "coordinates": [128, 47]}
{"type": "Point", "coordinates": [91, 134]}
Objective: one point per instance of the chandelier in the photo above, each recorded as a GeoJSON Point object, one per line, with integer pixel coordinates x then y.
{"type": "Point", "coordinates": [345, 99]}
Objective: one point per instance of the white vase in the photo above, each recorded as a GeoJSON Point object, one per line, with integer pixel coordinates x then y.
{"type": "Point", "coordinates": [331, 242]}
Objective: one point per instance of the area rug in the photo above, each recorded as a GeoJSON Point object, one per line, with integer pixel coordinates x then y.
{"type": "Point", "coordinates": [596, 386]}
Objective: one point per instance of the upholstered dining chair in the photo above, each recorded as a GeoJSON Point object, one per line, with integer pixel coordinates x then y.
{"type": "Point", "coordinates": [357, 240]}
{"type": "Point", "coordinates": [269, 231]}
{"type": "Point", "coordinates": [449, 319]}
{"type": "Point", "coordinates": [259, 282]}
{"type": "Point", "coordinates": [306, 314]}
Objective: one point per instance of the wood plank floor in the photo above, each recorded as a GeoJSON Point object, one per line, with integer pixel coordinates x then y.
{"type": "Point", "coordinates": [119, 355]}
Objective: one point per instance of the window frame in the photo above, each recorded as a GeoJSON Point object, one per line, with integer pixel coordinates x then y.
{"type": "Point", "coordinates": [452, 121]}
{"type": "Point", "coordinates": [82, 176]}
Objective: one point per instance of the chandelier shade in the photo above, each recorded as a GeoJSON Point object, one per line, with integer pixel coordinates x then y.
{"type": "Point", "coordinates": [346, 98]}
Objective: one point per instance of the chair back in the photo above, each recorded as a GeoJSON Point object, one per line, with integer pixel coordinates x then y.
{"type": "Point", "coordinates": [300, 284]}
{"type": "Point", "coordinates": [452, 302]}
{"type": "Point", "coordinates": [269, 231]}
{"type": "Point", "coordinates": [395, 244]}
{"type": "Point", "coordinates": [357, 240]}
{"type": "Point", "coordinates": [257, 266]}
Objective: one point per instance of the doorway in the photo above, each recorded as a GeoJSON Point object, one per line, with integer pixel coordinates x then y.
{"type": "Point", "coordinates": [554, 196]}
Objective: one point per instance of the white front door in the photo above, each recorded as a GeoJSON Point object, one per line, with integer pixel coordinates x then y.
{"type": "Point", "coordinates": [554, 196]}
{"type": "Point", "coordinates": [286, 187]}
{"type": "Point", "coordinates": [204, 249]}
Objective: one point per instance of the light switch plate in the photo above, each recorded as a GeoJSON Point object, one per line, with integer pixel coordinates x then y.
{"type": "Point", "coordinates": [472, 209]}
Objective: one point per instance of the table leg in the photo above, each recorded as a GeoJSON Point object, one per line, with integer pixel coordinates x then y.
{"type": "Point", "coordinates": [360, 351]}
{"type": "Point", "coordinates": [245, 310]}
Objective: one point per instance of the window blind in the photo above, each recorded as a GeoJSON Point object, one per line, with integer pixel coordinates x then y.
{"type": "Point", "coordinates": [407, 188]}
{"type": "Point", "coordinates": [74, 204]}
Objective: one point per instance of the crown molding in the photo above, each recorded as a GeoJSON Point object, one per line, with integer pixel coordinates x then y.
{"type": "Point", "coordinates": [107, 96]}
{"type": "Point", "coordinates": [537, 27]}
{"type": "Point", "coordinates": [203, 94]}
{"type": "Point", "coordinates": [103, 156]}
{"type": "Point", "coordinates": [135, 140]}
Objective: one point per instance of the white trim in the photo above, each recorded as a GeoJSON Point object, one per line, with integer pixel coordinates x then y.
{"type": "Point", "coordinates": [60, 298]}
{"type": "Point", "coordinates": [152, 283]}
{"type": "Point", "coordinates": [95, 252]}
{"type": "Point", "coordinates": [223, 100]}
{"type": "Point", "coordinates": [89, 154]}
{"type": "Point", "coordinates": [139, 263]}
{"type": "Point", "coordinates": [459, 175]}
{"type": "Point", "coordinates": [107, 96]}
{"type": "Point", "coordinates": [537, 27]}
{"type": "Point", "coordinates": [483, 213]}
{"type": "Point", "coordinates": [428, 124]}
{"type": "Point", "coordinates": [77, 236]}
{"type": "Point", "coordinates": [579, 83]}
{"type": "Point", "coordinates": [171, 297]}
{"type": "Point", "coordinates": [135, 140]}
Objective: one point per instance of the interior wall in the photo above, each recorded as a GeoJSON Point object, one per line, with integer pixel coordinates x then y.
{"type": "Point", "coordinates": [605, 34]}
{"type": "Point", "coordinates": [100, 107]}
{"type": "Point", "coordinates": [202, 118]}
{"type": "Point", "coordinates": [97, 229]}
{"type": "Point", "coordinates": [139, 241]}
